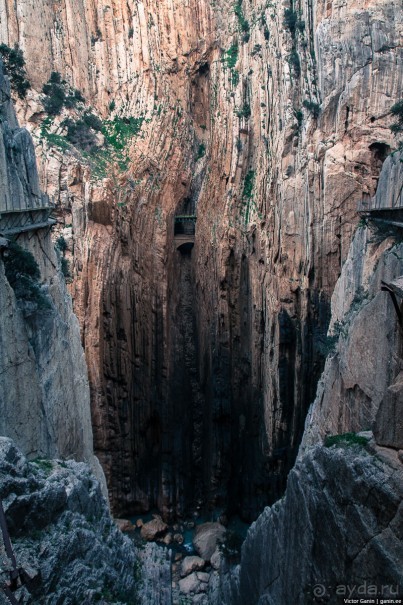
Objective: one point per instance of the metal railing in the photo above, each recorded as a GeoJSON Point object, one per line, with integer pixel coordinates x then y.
{"type": "Point", "coordinates": [374, 204]}
{"type": "Point", "coordinates": [185, 224]}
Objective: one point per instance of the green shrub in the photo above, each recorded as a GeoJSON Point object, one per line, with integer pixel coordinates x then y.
{"type": "Point", "coordinates": [397, 111]}
{"type": "Point", "coordinates": [256, 49]}
{"type": "Point", "coordinates": [58, 94]}
{"type": "Point", "coordinates": [248, 185]}
{"type": "Point", "coordinates": [243, 23]}
{"type": "Point", "coordinates": [55, 94]}
{"type": "Point", "coordinates": [61, 244]}
{"type": "Point", "coordinates": [92, 121]}
{"type": "Point", "coordinates": [290, 20]}
{"type": "Point", "coordinates": [299, 116]}
{"type": "Point", "coordinates": [73, 98]}
{"type": "Point", "coordinates": [294, 61]}
{"type": "Point", "coordinates": [313, 107]}
{"type": "Point", "coordinates": [244, 112]}
{"type": "Point", "coordinates": [201, 151]}
{"type": "Point", "coordinates": [234, 77]}
{"type": "Point", "coordinates": [345, 439]}
{"type": "Point", "coordinates": [231, 56]}
{"type": "Point", "coordinates": [79, 134]}
{"type": "Point", "coordinates": [22, 273]}
{"type": "Point", "coordinates": [13, 61]}
{"type": "Point", "coordinates": [65, 266]}
{"type": "Point", "coordinates": [20, 262]}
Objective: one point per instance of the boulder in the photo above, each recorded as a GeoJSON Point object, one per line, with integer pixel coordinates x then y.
{"type": "Point", "coordinates": [192, 584]}
{"type": "Point", "coordinates": [124, 524]}
{"type": "Point", "coordinates": [190, 564]}
{"type": "Point", "coordinates": [207, 538]}
{"type": "Point", "coordinates": [216, 559]}
{"type": "Point", "coordinates": [153, 529]}
{"type": "Point", "coordinates": [167, 539]}
{"type": "Point", "coordinates": [203, 576]}
{"type": "Point", "coordinates": [178, 538]}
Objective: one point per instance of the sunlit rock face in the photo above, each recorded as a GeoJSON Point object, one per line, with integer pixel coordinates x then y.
{"type": "Point", "coordinates": [44, 390]}
{"type": "Point", "coordinates": [202, 365]}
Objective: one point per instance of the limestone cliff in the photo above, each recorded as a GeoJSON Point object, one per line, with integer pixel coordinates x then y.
{"type": "Point", "coordinates": [273, 120]}
{"type": "Point", "coordinates": [362, 375]}
{"type": "Point", "coordinates": [338, 526]}
{"type": "Point", "coordinates": [335, 535]}
{"type": "Point", "coordinates": [44, 392]}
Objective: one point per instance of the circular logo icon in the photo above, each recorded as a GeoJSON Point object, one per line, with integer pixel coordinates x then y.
{"type": "Point", "coordinates": [319, 590]}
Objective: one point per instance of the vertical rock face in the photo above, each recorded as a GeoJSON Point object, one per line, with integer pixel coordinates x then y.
{"type": "Point", "coordinates": [44, 391]}
{"type": "Point", "coordinates": [361, 381]}
{"type": "Point", "coordinates": [291, 111]}
{"type": "Point", "coordinates": [336, 533]}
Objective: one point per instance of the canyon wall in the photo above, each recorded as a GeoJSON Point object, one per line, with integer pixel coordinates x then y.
{"type": "Point", "coordinates": [44, 391]}
{"type": "Point", "coordinates": [273, 124]}
{"type": "Point", "coordinates": [337, 532]}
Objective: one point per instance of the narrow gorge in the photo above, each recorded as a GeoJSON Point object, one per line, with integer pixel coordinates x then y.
{"type": "Point", "coordinates": [200, 298]}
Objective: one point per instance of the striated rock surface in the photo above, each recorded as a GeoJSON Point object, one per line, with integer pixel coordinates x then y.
{"type": "Point", "coordinates": [44, 391]}
{"type": "Point", "coordinates": [274, 128]}
{"type": "Point", "coordinates": [361, 382]}
{"type": "Point", "coordinates": [339, 525]}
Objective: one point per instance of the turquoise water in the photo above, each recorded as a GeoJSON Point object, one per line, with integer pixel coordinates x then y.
{"type": "Point", "coordinates": [235, 525]}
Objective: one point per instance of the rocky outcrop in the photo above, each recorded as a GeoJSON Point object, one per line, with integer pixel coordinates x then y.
{"type": "Point", "coordinates": [274, 124]}
{"type": "Point", "coordinates": [337, 529]}
{"type": "Point", "coordinates": [60, 527]}
{"type": "Point", "coordinates": [63, 535]}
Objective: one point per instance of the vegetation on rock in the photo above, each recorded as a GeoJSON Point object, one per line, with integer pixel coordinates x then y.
{"type": "Point", "coordinates": [345, 439]}
{"type": "Point", "coordinates": [23, 274]}
{"type": "Point", "coordinates": [397, 111]}
{"type": "Point", "coordinates": [13, 61]}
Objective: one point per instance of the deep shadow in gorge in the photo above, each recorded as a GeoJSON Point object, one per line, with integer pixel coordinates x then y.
{"type": "Point", "coordinates": [195, 429]}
